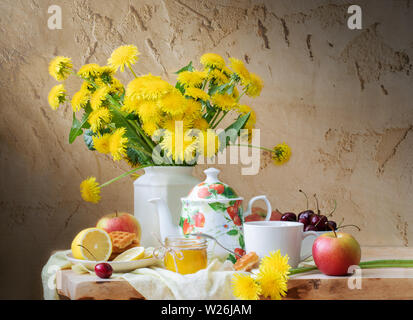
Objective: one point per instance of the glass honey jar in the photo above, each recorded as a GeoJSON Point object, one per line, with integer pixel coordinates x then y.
{"type": "Point", "coordinates": [187, 254]}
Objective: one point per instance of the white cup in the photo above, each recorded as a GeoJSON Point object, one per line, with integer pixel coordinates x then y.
{"type": "Point", "coordinates": [262, 237]}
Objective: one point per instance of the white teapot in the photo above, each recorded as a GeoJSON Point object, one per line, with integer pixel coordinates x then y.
{"type": "Point", "coordinates": [212, 207]}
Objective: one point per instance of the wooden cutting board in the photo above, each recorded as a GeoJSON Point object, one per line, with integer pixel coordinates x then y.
{"type": "Point", "coordinates": [390, 283]}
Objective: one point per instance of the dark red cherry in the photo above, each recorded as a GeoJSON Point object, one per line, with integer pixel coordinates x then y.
{"type": "Point", "coordinates": [310, 228]}
{"type": "Point", "coordinates": [305, 214]}
{"type": "Point", "coordinates": [103, 270]}
{"type": "Point", "coordinates": [289, 216]}
{"type": "Point", "coordinates": [321, 224]}
{"type": "Point", "coordinates": [304, 221]}
{"type": "Point", "coordinates": [331, 225]}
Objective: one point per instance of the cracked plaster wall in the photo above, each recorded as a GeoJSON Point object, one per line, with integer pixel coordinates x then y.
{"type": "Point", "coordinates": [341, 99]}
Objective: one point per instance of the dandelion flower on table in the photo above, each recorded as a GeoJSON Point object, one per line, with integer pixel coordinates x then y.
{"type": "Point", "coordinates": [254, 86]}
{"type": "Point", "coordinates": [245, 287]}
{"type": "Point", "coordinates": [147, 87]}
{"type": "Point", "coordinates": [212, 60]}
{"type": "Point", "coordinates": [273, 284]}
{"type": "Point", "coordinates": [196, 93]}
{"type": "Point", "coordinates": [102, 142]}
{"type": "Point", "coordinates": [239, 68]}
{"type": "Point", "coordinates": [90, 190]}
{"type": "Point", "coordinates": [123, 56]}
{"type": "Point", "coordinates": [98, 97]}
{"type": "Point", "coordinates": [117, 144]}
{"type": "Point", "coordinates": [57, 96]}
{"type": "Point", "coordinates": [98, 118]}
{"type": "Point", "coordinates": [60, 68]}
{"type": "Point", "coordinates": [90, 70]}
{"type": "Point", "coordinates": [281, 154]}
{"type": "Point", "coordinates": [275, 262]}
{"type": "Point", "coordinates": [224, 102]}
{"type": "Point", "coordinates": [80, 99]}
{"type": "Point", "coordinates": [192, 78]}
{"type": "Point", "coordinates": [173, 103]}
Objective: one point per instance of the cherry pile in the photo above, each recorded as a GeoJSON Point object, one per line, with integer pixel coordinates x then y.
{"type": "Point", "coordinates": [312, 221]}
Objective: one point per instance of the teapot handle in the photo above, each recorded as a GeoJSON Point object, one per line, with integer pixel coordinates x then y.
{"type": "Point", "coordinates": [268, 204]}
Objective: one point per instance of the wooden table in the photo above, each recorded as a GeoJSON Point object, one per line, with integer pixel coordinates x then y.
{"type": "Point", "coordinates": [390, 283]}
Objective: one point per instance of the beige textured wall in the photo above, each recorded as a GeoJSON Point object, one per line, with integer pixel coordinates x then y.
{"type": "Point", "coordinates": [342, 99]}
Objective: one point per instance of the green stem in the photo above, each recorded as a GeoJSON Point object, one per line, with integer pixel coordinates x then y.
{"type": "Point", "coordinates": [214, 118]}
{"type": "Point", "coordinates": [387, 262]}
{"type": "Point", "coordinates": [131, 69]}
{"type": "Point", "coordinates": [124, 175]}
{"type": "Point", "coordinates": [223, 116]}
{"type": "Point", "coordinates": [251, 146]}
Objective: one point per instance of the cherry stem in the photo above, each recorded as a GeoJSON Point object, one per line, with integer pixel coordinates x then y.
{"type": "Point", "coordinates": [332, 229]}
{"type": "Point", "coordinates": [316, 200]}
{"type": "Point", "coordinates": [341, 222]}
{"type": "Point", "coordinates": [335, 207]}
{"type": "Point", "coordinates": [305, 196]}
{"type": "Point", "coordinates": [116, 214]}
{"type": "Point", "coordinates": [88, 251]}
{"type": "Point", "coordinates": [349, 225]}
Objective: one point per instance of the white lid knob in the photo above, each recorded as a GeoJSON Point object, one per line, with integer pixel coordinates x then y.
{"type": "Point", "coordinates": [211, 175]}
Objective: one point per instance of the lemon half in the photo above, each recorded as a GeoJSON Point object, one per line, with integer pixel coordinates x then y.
{"type": "Point", "coordinates": [132, 254]}
{"type": "Point", "coordinates": [92, 244]}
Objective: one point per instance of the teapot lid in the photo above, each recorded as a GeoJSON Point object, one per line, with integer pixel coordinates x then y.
{"type": "Point", "coordinates": [212, 189]}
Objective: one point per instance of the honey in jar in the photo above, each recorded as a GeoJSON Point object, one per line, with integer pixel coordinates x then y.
{"type": "Point", "coordinates": [190, 254]}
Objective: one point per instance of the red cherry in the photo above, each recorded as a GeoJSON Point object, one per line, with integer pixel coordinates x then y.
{"type": "Point", "coordinates": [219, 188]}
{"type": "Point", "coordinates": [203, 193]}
{"type": "Point", "coordinates": [103, 270]}
{"type": "Point", "coordinates": [199, 219]}
{"type": "Point", "coordinates": [240, 252]}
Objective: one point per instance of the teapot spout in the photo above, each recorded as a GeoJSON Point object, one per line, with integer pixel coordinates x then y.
{"type": "Point", "coordinates": [167, 228]}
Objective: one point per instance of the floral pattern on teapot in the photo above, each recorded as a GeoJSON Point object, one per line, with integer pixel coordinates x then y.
{"type": "Point", "coordinates": [224, 222]}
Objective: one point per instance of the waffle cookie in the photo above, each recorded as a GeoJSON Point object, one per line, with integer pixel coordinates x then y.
{"type": "Point", "coordinates": [121, 240]}
{"type": "Point", "coordinates": [247, 262]}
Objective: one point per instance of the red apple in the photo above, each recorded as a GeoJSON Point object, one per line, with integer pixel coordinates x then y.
{"type": "Point", "coordinates": [120, 221]}
{"type": "Point", "coordinates": [334, 253]}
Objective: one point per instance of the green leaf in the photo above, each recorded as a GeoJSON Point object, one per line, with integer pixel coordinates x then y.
{"type": "Point", "coordinates": [232, 232]}
{"type": "Point", "coordinates": [135, 156]}
{"type": "Point", "coordinates": [218, 206]}
{"type": "Point", "coordinates": [88, 138]}
{"type": "Point", "coordinates": [181, 221]}
{"type": "Point", "coordinates": [229, 193]}
{"type": "Point", "coordinates": [241, 241]}
{"type": "Point", "coordinates": [236, 127]}
{"type": "Point", "coordinates": [232, 258]}
{"type": "Point", "coordinates": [188, 67]}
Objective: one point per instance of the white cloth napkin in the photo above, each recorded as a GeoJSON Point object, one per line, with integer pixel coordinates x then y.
{"type": "Point", "coordinates": [157, 283]}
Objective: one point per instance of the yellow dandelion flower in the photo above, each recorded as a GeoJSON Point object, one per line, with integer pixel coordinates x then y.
{"type": "Point", "coordinates": [245, 287]}
{"type": "Point", "coordinates": [281, 154]}
{"type": "Point", "coordinates": [60, 68]}
{"type": "Point", "coordinates": [98, 97]}
{"type": "Point", "coordinates": [275, 262]}
{"type": "Point", "coordinates": [116, 86]}
{"type": "Point", "coordinates": [149, 111]}
{"type": "Point", "coordinates": [227, 71]}
{"type": "Point", "coordinates": [147, 87]}
{"type": "Point", "coordinates": [179, 147]}
{"type": "Point", "coordinates": [201, 124]}
{"type": "Point", "coordinates": [130, 106]}
{"type": "Point", "coordinates": [149, 128]}
{"type": "Point", "coordinates": [192, 78]}
{"type": "Point", "coordinates": [57, 96]}
{"type": "Point", "coordinates": [90, 190]}
{"type": "Point", "coordinates": [196, 93]}
{"type": "Point", "coordinates": [98, 118]}
{"type": "Point", "coordinates": [117, 144]}
{"type": "Point", "coordinates": [193, 109]}
{"type": "Point", "coordinates": [208, 143]}
{"type": "Point", "coordinates": [89, 70]}
{"type": "Point", "coordinates": [173, 103]}
{"type": "Point", "coordinates": [240, 69]}
{"type": "Point", "coordinates": [87, 87]}
{"type": "Point", "coordinates": [218, 77]}
{"type": "Point", "coordinates": [273, 284]}
{"type": "Point", "coordinates": [254, 86]}
{"type": "Point", "coordinates": [212, 60]}
{"type": "Point", "coordinates": [235, 93]}
{"type": "Point", "coordinates": [101, 143]}
{"type": "Point", "coordinates": [224, 101]}
{"type": "Point", "coordinates": [80, 99]}
{"type": "Point", "coordinates": [173, 123]}
{"type": "Point", "coordinates": [106, 71]}
{"type": "Point", "coordinates": [123, 56]}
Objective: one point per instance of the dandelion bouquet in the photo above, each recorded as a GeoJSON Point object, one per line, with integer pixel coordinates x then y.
{"type": "Point", "coordinates": [151, 122]}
